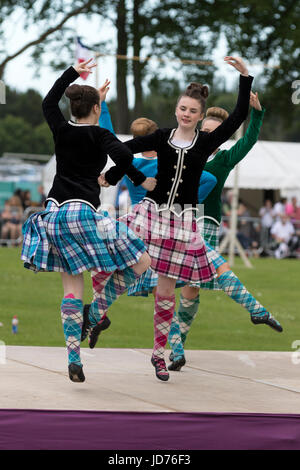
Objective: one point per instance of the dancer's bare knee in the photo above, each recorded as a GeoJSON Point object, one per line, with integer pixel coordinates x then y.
{"type": "Point", "coordinates": [223, 269]}
{"type": "Point", "coordinates": [189, 292]}
{"type": "Point", "coordinates": [143, 264]}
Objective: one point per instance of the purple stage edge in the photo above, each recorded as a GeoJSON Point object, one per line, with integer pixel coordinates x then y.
{"type": "Point", "coordinates": [101, 430]}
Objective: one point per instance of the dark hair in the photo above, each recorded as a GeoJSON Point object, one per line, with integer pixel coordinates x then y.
{"type": "Point", "coordinates": [198, 92]}
{"type": "Point", "coordinates": [82, 99]}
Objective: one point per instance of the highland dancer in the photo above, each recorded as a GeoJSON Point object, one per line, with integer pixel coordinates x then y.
{"type": "Point", "coordinates": [220, 164]}
{"type": "Point", "coordinates": [170, 231]}
{"type": "Point", "coordinates": [71, 235]}
{"type": "Point", "coordinates": [146, 162]}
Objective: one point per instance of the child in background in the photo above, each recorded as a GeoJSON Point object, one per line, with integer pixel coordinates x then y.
{"type": "Point", "coordinates": [14, 323]}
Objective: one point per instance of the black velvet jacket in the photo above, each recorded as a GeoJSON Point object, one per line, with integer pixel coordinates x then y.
{"type": "Point", "coordinates": [179, 170]}
{"type": "Point", "coordinates": [81, 152]}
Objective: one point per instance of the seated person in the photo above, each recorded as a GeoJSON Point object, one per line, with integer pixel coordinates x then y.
{"type": "Point", "coordinates": [282, 232]}
{"type": "Point", "coordinates": [11, 220]}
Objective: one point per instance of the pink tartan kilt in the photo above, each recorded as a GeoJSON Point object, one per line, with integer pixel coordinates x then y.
{"type": "Point", "coordinates": [174, 243]}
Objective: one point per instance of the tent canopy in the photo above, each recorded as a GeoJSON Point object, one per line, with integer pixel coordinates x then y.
{"type": "Point", "coordinates": [268, 165]}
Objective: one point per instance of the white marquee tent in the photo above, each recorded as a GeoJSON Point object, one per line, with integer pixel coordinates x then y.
{"type": "Point", "coordinates": [269, 165]}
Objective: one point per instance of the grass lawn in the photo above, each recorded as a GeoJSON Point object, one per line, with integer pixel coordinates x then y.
{"type": "Point", "coordinates": [221, 323]}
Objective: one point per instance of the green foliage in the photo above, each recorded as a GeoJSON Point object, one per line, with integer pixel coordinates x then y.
{"type": "Point", "coordinates": [267, 31]}
{"type": "Point", "coordinates": [262, 32]}
{"type": "Point", "coordinates": [27, 105]}
{"type": "Point", "coordinates": [23, 128]}
{"type": "Point", "coordinates": [17, 135]}
{"type": "Point", "coordinates": [160, 103]}
{"type": "Point", "coordinates": [42, 140]}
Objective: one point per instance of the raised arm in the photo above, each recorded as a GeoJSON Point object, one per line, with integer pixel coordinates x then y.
{"type": "Point", "coordinates": [52, 113]}
{"type": "Point", "coordinates": [239, 114]}
{"type": "Point", "coordinates": [105, 119]}
{"type": "Point", "coordinates": [243, 146]}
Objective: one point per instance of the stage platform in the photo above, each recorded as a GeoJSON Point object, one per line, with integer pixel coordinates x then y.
{"type": "Point", "coordinates": [124, 380]}
{"type": "Point", "coordinates": [223, 399]}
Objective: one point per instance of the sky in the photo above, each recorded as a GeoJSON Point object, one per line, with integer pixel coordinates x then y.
{"type": "Point", "coordinates": [21, 75]}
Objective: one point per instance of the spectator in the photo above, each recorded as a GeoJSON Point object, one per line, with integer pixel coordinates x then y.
{"type": "Point", "coordinates": [255, 240]}
{"type": "Point", "coordinates": [279, 208]}
{"type": "Point", "coordinates": [11, 221]}
{"type": "Point", "coordinates": [244, 226]}
{"type": "Point", "coordinates": [226, 203]}
{"type": "Point", "coordinates": [42, 196]}
{"type": "Point", "coordinates": [27, 202]}
{"type": "Point", "coordinates": [18, 197]}
{"type": "Point", "coordinates": [289, 208]}
{"type": "Point", "coordinates": [5, 220]}
{"type": "Point", "coordinates": [266, 218]}
{"type": "Point", "coordinates": [282, 232]}
{"type": "Point", "coordinates": [295, 212]}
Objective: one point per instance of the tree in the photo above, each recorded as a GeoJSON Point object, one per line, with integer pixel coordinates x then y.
{"type": "Point", "coordinates": [175, 32]}
{"type": "Point", "coordinates": [159, 103]}
{"type": "Point", "coordinates": [268, 31]}
{"type": "Point", "coordinates": [43, 13]}
{"type": "Point", "coordinates": [122, 118]}
{"type": "Point", "coordinates": [22, 125]}
{"type": "Point", "coordinates": [42, 140]}
{"type": "Point", "coordinates": [15, 135]}
{"type": "Point", "coordinates": [27, 105]}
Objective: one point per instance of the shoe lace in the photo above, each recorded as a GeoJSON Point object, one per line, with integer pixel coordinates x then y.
{"type": "Point", "coordinates": [160, 364]}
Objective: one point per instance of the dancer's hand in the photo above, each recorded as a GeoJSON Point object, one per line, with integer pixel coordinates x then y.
{"type": "Point", "coordinates": [149, 184]}
{"type": "Point", "coordinates": [102, 181]}
{"type": "Point", "coordinates": [254, 101]}
{"type": "Point", "coordinates": [83, 67]}
{"type": "Point", "coordinates": [238, 64]}
{"type": "Point", "coordinates": [104, 89]}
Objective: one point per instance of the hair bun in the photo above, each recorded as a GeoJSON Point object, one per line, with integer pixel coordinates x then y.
{"type": "Point", "coordinates": [217, 113]}
{"type": "Point", "coordinates": [196, 88]}
{"type": "Point", "coordinates": [74, 92]}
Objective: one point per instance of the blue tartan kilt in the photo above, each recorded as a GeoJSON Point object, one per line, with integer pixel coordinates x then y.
{"type": "Point", "coordinates": [74, 238]}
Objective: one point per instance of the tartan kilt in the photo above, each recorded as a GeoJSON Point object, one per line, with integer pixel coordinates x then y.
{"type": "Point", "coordinates": [210, 231]}
{"type": "Point", "coordinates": [210, 234]}
{"type": "Point", "coordinates": [144, 285]}
{"type": "Point", "coordinates": [74, 238]}
{"type": "Point", "coordinates": [174, 243]}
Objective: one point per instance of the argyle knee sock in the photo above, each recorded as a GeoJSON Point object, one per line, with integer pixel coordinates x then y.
{"type": "Point", "coordinates": [72, 318]}
{"type": "Point", "coordinates": [233, 287]}
{"type": "Point", "coordinates": [116, 285]}
{"type": "Point", "coordinates": [175, 338]}
{"type": "Point", "coordinates": [163, 314]}
{"type": "Point", "coordinates": [181, 323]}
{"type": "Point", "coordinates": [187, 311]}
{"type": "Point", "coordinates": [99, 279]}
